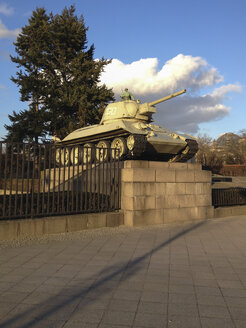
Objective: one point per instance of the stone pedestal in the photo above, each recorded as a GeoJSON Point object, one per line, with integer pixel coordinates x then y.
{"type": "Point", "coordinates": [161, 192]}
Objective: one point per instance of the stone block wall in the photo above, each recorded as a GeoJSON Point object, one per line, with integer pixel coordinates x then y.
{"type": "Point", "coordinates": [161, 192]}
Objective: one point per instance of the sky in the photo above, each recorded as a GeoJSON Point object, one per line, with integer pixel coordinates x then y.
{"type": "Point", "coordinates": [157, 48]}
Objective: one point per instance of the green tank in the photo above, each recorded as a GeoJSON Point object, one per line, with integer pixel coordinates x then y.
{"type": "Point", "coordinates": [126, 126]}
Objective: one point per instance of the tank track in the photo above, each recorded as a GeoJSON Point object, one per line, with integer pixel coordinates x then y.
{"type": "Point", "coordinates": [139, 146]}
{"type": "Point", "coordinates": [189, 151]}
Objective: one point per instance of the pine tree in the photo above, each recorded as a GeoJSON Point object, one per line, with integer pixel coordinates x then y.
{"type": "Point", "coordinates": [58, 73]}
{"type": "Point", "coordinates": [31, 46]}
{"type": "Point", "coordinates": [27, 126]}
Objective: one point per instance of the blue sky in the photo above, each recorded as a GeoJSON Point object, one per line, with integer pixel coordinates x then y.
{"type": "Point", "coordinates": [157, 47]}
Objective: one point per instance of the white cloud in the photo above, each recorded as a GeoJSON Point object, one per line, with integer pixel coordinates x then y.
{"type": "Point", "coordinates": [185, 113]}
{"type": "Point", "coordinates": [8, 34]}
{"type": "Point", "coordinates": [5, 10]}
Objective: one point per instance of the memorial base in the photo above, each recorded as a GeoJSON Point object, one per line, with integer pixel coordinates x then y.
{"type": "Point", "coordinates": [161, 192]}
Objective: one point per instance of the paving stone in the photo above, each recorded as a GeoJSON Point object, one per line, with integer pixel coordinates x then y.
{"type": "Point", "coordinates": [87, 316]}
{"type": "Point", "coordinates": [152, 286]}
{"type": "Point", "coordinates": [232, 292]}
{"type": "Point", "coordinates": [6, 307]}
{"type": "Point", "coordinates": [12, 278]}
{"type": "Point", "coordinates": [118, 318]}
{"type": "Point", "coordinates": [127, 295]}
{"type": "Point", "coordinates": [123, 305]}
{"type": "Point", "coordinates": [92, 304]}
{"type": "Point", "coordinates": [152, 307]}
{"type": "Point", "coordinates": [238, 313]}
{"type": "Point", "coordinates": [236, 301]}
{"type": "Point", "coordinates": [150, 320]}
{"type": "Point", "coordinates": [181, 281]}
{"type": "Point", "coordinates": [78, 324]}
{"type": "Point", "coordinates": [204, 290]}
{"type": "Point", "coordinates": [210, 300]}
{"type": "Point", "coordinates": [154, 296]}
{"type": "Point", "coordinates": [230, 284]}
{"type": "Point", "coordinates": [14, 297]}
{"type": "Point", "coordinates": [240, 323]}
{"type": "Point", "coordinates": [177, 321]}
{"type": "Point", "coordinates": [23, 288]}
{"type": "Point", "coordinates": [127, 285]}
{"type": "Point", "coordinates": [182, 298]}
{"type": "Point", "coordinates": [214, 311]}
{"type": "Point", "coordinates": [24, 322]}
{"type": "Point", "coordinates": [201, 282]}
{"type": "Point", "coordinates": [184, 309]}
{"type": "Point", "coordinates": [4, 286]}
{"type": "Point", "coordinates": [182, 289]}
{"type": "Point", "coordinates": [217, 323]}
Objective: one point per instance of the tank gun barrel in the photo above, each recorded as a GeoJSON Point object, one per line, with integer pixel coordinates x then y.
{"type": "Point", "coordinates": [155, 102]}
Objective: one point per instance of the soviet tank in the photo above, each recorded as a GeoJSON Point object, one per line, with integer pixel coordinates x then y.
{"type": "Point", "coordinates": [127, 126]}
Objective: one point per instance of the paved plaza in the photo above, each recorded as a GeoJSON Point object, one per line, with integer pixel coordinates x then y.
{"type": "Point", "coordinates": [190, 275]}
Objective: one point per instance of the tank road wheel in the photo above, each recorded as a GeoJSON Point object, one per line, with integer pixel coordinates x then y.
{"type": "Point", "coordinates": [120, 145]}
{"type": "Point", "coordinates": [88, 153]}
{"type": "Point", "coordinates": [130, 142]}
{"type": "Point", "coordinates": [136, 143]}
{"type": "Point", "coordinates": [102, 150]}
{"type": "Point", "coordinates": [75, 156]}
{"type": "Point", "coordinates": [62, 156]}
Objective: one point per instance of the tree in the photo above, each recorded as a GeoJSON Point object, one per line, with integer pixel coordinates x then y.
{"type": "Point", "coordinates": [27, 125]}
{"type": "Point", "coordinates": [58, 73]}
{"type": "Point", "coordinates": [207, 154]}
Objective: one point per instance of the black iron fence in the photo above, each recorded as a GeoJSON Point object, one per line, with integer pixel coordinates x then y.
{"type": "Point", "coordinates": [228, 196]}
{"type": "Point", "coordinates": [45, 180]}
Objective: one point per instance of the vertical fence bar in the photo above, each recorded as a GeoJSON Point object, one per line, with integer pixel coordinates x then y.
{"type": "Point", "coordinates": [5, 180]}
{"type": "Point", "coordinates": [16, 179]}
{"type": "Point", "coordinates": [107, 186]}
{"type": "Point", "coordinates": [93, 192]}
{"type": "Point", "coordinates": [53, 150]}
{"type": "Point", "coordinates": [11, 179]}
{"type": "Point", "coordinates": [22, 178]}
{"type": "Point", "coordinates": [102, 200]}
{"type": "Point", "coordinates": [114, 180]}
{"type": "Point", "coordinates": [119, 181]}
{"type": "Point", "coordinates": [110, 180]}
{"type": "Point", "coordinates": [59, 180]}
{"type": "Point", "coordinates": [86, 185]}
{"type": "Point", "coordinates": [77, 181]}
{"type": "Point", "coordinates": [73, 173]}
{"type": "Point", "coordinates": [91, 180]}
{"type": "Point", "coordinates": [39, 152]}
{"type": "Point", "coordinates": [28, 177]}
{"type": "Point", "coordinates": [33, 177]}
{"type": "Point", "coordinates": [99, 177]}
{"type": "Point", "coordinates": [68, 179]}
{"type": "Point", "coordinates": [49, 180]}
{"type": "Point", "coordinates": [1, 179]}
{"type": "Point", "coordinates": [64, 179]}
{"type": "Point", "coordinates": [44, 180]}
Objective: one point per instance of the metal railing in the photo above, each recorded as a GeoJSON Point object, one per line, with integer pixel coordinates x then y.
{"type": "Point", "coordinates": [45, 180]}
{"type": "Point", "coordinates": [228, 197]}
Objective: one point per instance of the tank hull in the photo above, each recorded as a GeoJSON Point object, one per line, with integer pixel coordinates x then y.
{"type": "Point", "coordinates": [152, 141]}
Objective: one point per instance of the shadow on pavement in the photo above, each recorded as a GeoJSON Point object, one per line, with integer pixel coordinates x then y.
{"type": "Point", "coordinates": [29, 319]}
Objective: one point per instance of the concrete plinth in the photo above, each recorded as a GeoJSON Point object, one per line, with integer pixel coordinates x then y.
{"type": "Point", "coordinates": [160, 192]}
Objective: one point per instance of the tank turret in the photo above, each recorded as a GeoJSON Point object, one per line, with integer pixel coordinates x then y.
{"type": "Point", "coordinates": [129, 109]}
{"type": "Point", "coordinates": [126, 126]}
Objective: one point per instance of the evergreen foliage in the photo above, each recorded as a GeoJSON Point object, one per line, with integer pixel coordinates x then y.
{"type": "Point", "coordinates": [27, 126]}
{"type": "Point", "coordinates": [58, 75]}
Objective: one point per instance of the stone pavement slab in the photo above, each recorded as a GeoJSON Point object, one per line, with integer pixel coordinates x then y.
{"type": "Point", "coordinates": [184, 276]}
